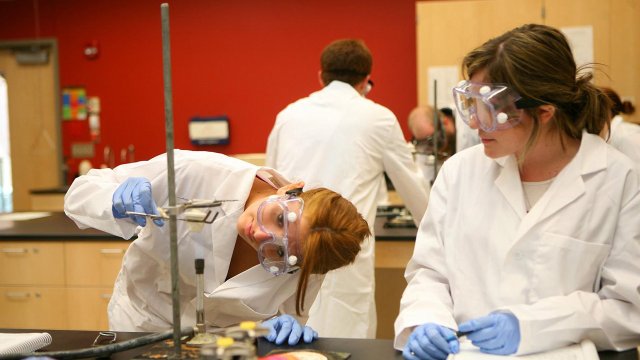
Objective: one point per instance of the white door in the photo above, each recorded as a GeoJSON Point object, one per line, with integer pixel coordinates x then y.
{"type": "Point", "coordinates": [34, 145]}
{"type": "Point", "coordinates": [6, 187]}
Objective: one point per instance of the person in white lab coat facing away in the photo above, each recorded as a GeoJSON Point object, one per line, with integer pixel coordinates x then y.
{"type": "Point", "coordinates": [265, 253]}
{"type": "Point", "coordinates": [624, 135]}
{"type": "Point", "coordinates": [421, 125]}
{"type": "Point", "coordinates": [531, 239]}
{"type": "Point", "coordinates": [337, 138]}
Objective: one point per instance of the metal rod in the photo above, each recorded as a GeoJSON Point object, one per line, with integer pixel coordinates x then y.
{"type": "Point", "coordinates": [173, 233]}
{"type": "Point", "coordinates": [436, 129]}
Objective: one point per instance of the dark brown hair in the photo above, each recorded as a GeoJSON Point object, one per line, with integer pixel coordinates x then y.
{"type": "Point", "coordinates": [617, 105]}
{"type": "Point", "coordinates": [536, 61]}
{"type": "Point", "coordinates": [336, 230]}
{"type": "Point", "coordinates": [346, 60]}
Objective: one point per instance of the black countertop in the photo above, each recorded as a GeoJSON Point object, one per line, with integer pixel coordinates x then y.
{"type": "Point", "coordinates": [57, 226]}
{"type": "Point", "coordinates": [359, 349]}
{"type": "Point", "coordinates": [51, 191]}
{"type": "Point", "coordinates": [391, 233]}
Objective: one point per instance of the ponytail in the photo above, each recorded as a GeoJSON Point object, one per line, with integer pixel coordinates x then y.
{"type": "Point", "coordinates": [593, 107]}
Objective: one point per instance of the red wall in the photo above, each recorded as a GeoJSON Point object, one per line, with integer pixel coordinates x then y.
{"type": "Point", "coordinates": [244, 58]}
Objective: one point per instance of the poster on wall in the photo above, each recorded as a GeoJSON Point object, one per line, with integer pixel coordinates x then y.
{"type": "Point", "coordinates": [74, 103]}
{"type": "Point", "coordinates": [447, 78]}
{"type": "Point", "coordinates": [581, 42]}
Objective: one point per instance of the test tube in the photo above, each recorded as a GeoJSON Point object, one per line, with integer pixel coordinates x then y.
{"type": "Point", "coordinates": [200, 325]}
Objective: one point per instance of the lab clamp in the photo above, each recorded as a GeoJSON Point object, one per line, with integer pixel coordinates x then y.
{"type": "Point", "coordinates": [190, 210]}
{"type": "Point", "coordinates": [236, 342]}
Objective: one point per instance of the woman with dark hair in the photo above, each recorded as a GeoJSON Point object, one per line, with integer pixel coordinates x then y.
{"type": "Point", "coordinates": [531, 240]}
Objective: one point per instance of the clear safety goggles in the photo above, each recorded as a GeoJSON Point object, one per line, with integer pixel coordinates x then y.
{"type": "Point", "coordinates": [492, 106]}
{"type": "Point", "coordinates": [280, 217]}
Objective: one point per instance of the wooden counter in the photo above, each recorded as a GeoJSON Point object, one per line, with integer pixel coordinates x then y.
{"type": "Point", "coordinates": [394, 247]}
{"type": "Point", "coordinates": [54, 275]}
{"type": "Point", "coordinates": [54, 226]}
{"type": "Point", "coordinates": [51, 199]}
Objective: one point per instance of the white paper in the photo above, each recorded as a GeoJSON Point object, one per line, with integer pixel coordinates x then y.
{"type": "Point", "coordinates": [21, 216]}
{"type": "Point", "coordinates": [581, 42]}
{"type": "Point", "coordinates": [447, 78]}
{"type": "Point", "coordinates": [586, 350]}
{"type": "Point", "coordinates": [22, 343]}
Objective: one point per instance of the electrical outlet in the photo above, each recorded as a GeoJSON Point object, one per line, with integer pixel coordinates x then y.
{"type": "Point", "coordinates": [82, 150]}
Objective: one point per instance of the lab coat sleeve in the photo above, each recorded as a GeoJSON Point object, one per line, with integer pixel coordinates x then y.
{"type": "Point", "coordinates": [89, 199]}
{"type": "Point", "coordinates": [404, 174]}
{"type": "Point", "coordinates": [271, 155]}
{"type": "Point", "coordinates": [427, 296]}
{"type": "Point", "coordinates": [610, 317]}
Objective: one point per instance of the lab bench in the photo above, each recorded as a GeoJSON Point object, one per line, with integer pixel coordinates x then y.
{"type": "Point", "coordinates": [56, 276]}
{"type": "Point", "coordinates": [359, 349]}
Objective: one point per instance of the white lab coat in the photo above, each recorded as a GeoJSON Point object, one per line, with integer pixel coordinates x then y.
{"type": "Point", "coordinates": [625, 136]}
{"type": "Point", "coordinates": [340, 140]}
{"type": "Point", "coordinates": [141, 299]}
{"type": "Point", "coordinates": [568, 269]}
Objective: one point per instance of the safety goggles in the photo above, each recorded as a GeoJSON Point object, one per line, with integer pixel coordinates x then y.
{"type": "Point", "coordinates": [280, 217]}
{"type": "Point", "coordinates": [492, 106]}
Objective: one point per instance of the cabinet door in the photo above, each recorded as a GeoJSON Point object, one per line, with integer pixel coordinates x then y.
{"type": "Point", "coordinates": [94, 263]}
{"type": "Point", "coordinates": [87, 308]}
{"type": "Point", "coordinates": [33, 307]}
{"type": "Point", "coordinates": [391, 260]}
{"type": "Point", "coordinates": [31, 263]}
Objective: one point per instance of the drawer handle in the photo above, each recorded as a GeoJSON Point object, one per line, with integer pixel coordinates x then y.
{"type": "Point", "coordinates": [111, 251]}
{"type": "Point", "coordinates": [15, 295]}
{"type": "Point", "coordinates": [14, 250]}
{"type": "Point", "coordinates": [105, 296]}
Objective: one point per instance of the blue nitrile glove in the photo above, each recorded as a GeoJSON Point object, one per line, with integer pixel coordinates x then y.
{"type": "Point", "coordinates": [286, 326]}
{"type": "Point", "coordinates": [497, 333]}
{"type": "Point", "coordinates": [134, 195]}
{"type": "Point", "coordinates": [431, 342]}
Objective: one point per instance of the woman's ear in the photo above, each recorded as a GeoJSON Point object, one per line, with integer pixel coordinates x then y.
{"type": "Point", "coordinates": [283, 190]}
{"type": "Point", "coordinates": [546, 113]}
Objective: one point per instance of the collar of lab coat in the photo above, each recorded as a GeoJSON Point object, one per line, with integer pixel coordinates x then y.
{"type": "Point", "coordinates": [338, 89]}
{"type": "Point", "coordinates": [617, 120]}
{"type": "Point", "coordinates": [252, 277]}
{"type": "Point", "coordinates": [567, 186]}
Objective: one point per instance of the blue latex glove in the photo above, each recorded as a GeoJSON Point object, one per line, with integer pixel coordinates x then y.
{"type": "Point", "coordinates": [431, 342]}
{"type": "Point", "coordinates": [134, 195]}
{"type": "Point", "coordinates": [287, 327]}
{"type": "Point", "coordinates": [497, 333]}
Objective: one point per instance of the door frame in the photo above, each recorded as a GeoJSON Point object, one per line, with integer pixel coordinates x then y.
{"type": "Point", "coordinates": [52, 45]}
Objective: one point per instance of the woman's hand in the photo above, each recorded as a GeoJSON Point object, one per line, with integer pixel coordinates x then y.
{"type": "Point", "coordinates": [134, 195]}
{"type": "Point", "coordinates": [287, 327]}
{"type": "Point", "coordinates": [496, 333]}
{"type": "Point", "coordinates": [431, 342]}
